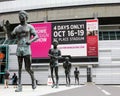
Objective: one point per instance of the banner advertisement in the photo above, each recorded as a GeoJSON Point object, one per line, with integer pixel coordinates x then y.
{"type": "Point", "coordinates": [76, 38]}
{"type": "Point", "coordinates": [41, 46]}
{"type": "Point", "coordinates": [71, 37]}
{"type": "Point", "coordinates": [69, 32]}
{"type": "Point", "coordinates": [92, 37]}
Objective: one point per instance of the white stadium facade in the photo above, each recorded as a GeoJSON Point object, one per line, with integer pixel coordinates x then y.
{"type": "Point", "coordinates": [103, 68]}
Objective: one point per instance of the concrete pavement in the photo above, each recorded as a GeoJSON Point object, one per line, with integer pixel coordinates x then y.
{"type": "Point", "coordinates": [81, 90]}
{"type": "Point", "coordinates": [27, 90]}
{"type": "Point", "coordinates": [90, 90]}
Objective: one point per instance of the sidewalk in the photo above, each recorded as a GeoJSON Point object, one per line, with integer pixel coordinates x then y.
{"type": "Point", "coordinates": [27, 90]}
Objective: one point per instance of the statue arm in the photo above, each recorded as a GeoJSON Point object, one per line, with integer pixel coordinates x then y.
{"type": "Point", "coordinates": [33, 39]}
{"type": "Point", "coordinates": [2, 25]}
{"type": "Point", "coordinates": [74, 73]}
{"type": "Point", "coordinates": [70, 65]}
{"type": "Point", "coordinates": [34, 34]}
{"type": "Point", "coordinates": [4, 29]}
{"type": "Point", "coordinates": [64, 65]}
{"type": "Point", "coordinates": [49, 53]}
{"type": "Point", "coordinates": [59, 54]}
{"type": "Point", "coordinates": [13, 33]}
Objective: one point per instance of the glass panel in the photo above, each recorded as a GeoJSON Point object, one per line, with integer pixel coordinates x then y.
{"type": "Point", "coordinates": [11, 41]}
{"type": "Point", "coordinates": [105, 36]}
{"type": "Point", "coordinates": [7, 42]}
{"type": "Point", "coordinates": [100, 35]}
{"type": "Point", "coordinates": [118, 35]}
{"type": "Point", "coordinates": [112, 36]}
{"type": "Point", "coordinates": [1, 41]}
{"type": "Point", "coordinates": [15, 42]}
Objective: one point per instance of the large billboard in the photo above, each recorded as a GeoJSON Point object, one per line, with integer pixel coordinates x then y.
{"type": "Point", "coordinates": [42, 45]}
{"type": "Point", "coordinates": [78, 39]}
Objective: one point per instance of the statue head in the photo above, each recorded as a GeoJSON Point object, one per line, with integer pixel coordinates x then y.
{"type": "Point", "coordinates": [23, 15]}
{"type": "Point", "coordinates": [66, 58]}
{"type": "Point", "coordinates": [55, 43]}
{"type": "Point", "coordinates": [75, 68]}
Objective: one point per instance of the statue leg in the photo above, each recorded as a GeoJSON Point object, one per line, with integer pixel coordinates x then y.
{"type": "Point", "coordinates": [27, 60]}
{"type": "Point", "coordinates": [51, 69]}
{"type": "Point", "coordinates": [20, 61]}
{"type": "Point", "coordinates": [78, 80]}
{"type": "Point", "coordinates": [66, 79]}
{"type": "Point", "coordinates": [56, 75]}
{"type": "Point", "coordinates": [69, 78]}
{"type": "Point", "coordinates": [75, 80]}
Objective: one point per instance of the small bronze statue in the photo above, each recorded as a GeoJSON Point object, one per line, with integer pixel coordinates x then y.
{"type": "Point", "coordinates": [23, 33]}
{"type": "Point", "coordinates": [76, 74]}
{"type": "Point", "coordinates": [54, 54]}
{"type": "Point", "coordinates": [67, 66]}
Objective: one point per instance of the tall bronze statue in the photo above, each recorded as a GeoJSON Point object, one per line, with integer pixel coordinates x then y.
{"type": "Point", "coordinates": [67, 66]}
{"type": "Point", "coordinates": [54, 54]}
{"type": "Point", "coordinates": [23, 33]}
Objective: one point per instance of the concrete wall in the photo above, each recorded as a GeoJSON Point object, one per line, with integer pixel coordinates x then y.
{"type": "Point", "coordinates": [107, 72]}
{"type": "Point", "coordinates": [76, 12]}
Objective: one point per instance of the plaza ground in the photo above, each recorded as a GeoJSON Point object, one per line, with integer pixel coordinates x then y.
{"type": "Point", "coordinates": [28, 91]}
{"type": "Point", "coordinates": [74, 90]}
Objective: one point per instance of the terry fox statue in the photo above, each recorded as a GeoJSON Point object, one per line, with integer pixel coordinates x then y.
{"type": "Point", "coordinates": [67, 66]}
{"type": "Point", "coordinates": [23, 33]}
{"type": "Point", "coordinates": [54, 54]}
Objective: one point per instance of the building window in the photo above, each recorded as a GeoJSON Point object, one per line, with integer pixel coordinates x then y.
{"type": "Point", "coordinates": [109, 35]}
{"type": "Point", "coordinates": [105, 35]}
{"type": "Point", "coordinates": [118, 35]}
{"type": "Point", "coordinates": [100, 36]}
{"type": "Point", "coordinates": [112, 36]}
